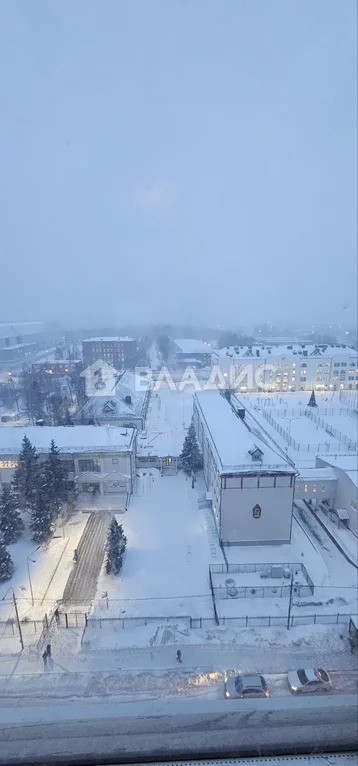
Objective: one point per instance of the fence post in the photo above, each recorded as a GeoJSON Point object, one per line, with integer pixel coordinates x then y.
{"type": "Point", "coordinates": [100, 623]}
{"type": "Point", "coordinates": [86, 620]}
{"type": "Point", "coordinates": [246, 619]}
{"type": "Point", "coordinates": [66, 620]}
{"type": "Point", "coordinates": [315, 619]}
{"type": "Point", "coordinates": [337, 618]}
{"type": "Point", "coordinates": [46, 621]}
{"type": "Point", "coordinates": [35, 631]}
{"type": "Point", "coordinates": [76, 621]}
{"type": "Point", "coordinates": [269, 620]}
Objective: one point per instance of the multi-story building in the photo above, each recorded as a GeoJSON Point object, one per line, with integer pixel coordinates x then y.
{"type": "Point", "coordinates": [99, 460]}
{"type": "Point", "coordinates": [117, 352]}
{"type": "Point", "coordinates": [296, 367]}
{"type": "Point", "coordinates": [251, 486]}
{"type": "Point", "coordinates": [192, 352]}
{"type": "Point", "coordinates": [19, 340]}
{"type": "Point", "coordinates": [58, 367]}
{"type": "Point", "coordinates": [122, 405]}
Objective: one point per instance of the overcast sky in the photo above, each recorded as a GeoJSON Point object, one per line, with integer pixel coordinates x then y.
{"type": "Point", "coordinates": [177, 160]}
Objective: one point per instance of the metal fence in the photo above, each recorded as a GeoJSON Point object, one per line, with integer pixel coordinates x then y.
{"type": "Point", "coordinates": [325, 447]}
{"type": "Point", "coordinates": [247, 621]}
{"type": "Point", "coordinates": [341, 437]}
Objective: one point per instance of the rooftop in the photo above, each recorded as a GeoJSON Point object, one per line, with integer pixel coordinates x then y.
{"type": "Point", "coordinates": [192, 346]}
{"type": "Point", "coordinates": [284, 350]}
{"type": "Point", "coordinates": [232, 441]}
{"type": "Point", "coordinates": [108, 339]}
{"type": "Point", "coordinates": [68, 438]}
{"type": "Point", "coordinates": [16, 329]}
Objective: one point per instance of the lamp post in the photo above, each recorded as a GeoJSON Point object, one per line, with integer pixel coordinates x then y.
{"type": "Point", "coordinates": [28, 559]}
{"type": "Point", "coordinates": [17, 615]}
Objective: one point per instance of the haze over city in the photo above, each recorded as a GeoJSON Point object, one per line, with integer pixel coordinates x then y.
{"type": "Point", "coordinates": [178, 162]}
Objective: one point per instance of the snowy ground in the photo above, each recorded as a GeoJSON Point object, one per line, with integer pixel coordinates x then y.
{"type": "Point", "coordinates": [168, 553]}
{"type": "Point", "coordinates": [168, 418]}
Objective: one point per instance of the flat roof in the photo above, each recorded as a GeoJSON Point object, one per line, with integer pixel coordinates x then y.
{"type": "Point", "coordinates": [68, 438]}
{"type": "Point", "coordinates": [262, 351]}
{"type": "Point", "coordinates": [106, 339]}
{"type": "Point", "coordinates": [232, 440]}
{"type": "Point", "coordinates": [192, 346]}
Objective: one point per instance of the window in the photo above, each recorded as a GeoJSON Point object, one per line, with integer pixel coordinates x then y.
{"type": "Point", "coordinates": [89, 466]}
{"type": "Point", "coordinates": [314, 488]}
{"type": "Point", "coordinates": [306, 488]}
{"type": "Point", "coordinates": [114, 460]}
{"type": "Point", "coordinates": [323, 488]}
{"type": "Point", "coordinates": [297, 488]}
{"type": "Point", "coordinates": [8, 464]}
{"type": "Point", "coordinates": [169, 461]}
{"type": "Point", "coordinates": [303, 364]}
{"type": "Point", "coordinates": [256, 511]}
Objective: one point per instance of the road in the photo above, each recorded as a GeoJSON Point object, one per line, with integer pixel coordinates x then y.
{"type": "Point", "coordinates": [177, 729]}
{"type": "Point", "coordinates": [82, 582]}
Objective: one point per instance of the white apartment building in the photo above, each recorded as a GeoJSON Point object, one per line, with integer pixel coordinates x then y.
{"type": "Point", "coordinates": [100, 460]}
{"type": "Point", "coordinates": [250, 485]}
{"type": "Point", "coordinates": [294, 367]}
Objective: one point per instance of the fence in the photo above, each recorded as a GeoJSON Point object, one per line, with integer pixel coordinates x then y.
{"type": "Point", "coordinates": [341, 437]}
{"type": "Point", "coordinates": [247, 621]}
{"type": "Point", "coordinates": [263, 591]}
{"type": "Point", "coordinates": [325, 447]}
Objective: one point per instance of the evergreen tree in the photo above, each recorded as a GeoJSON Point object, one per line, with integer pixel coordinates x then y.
{"type": "Point", "coordinates": [41, 519]}
{"type": "Point", "coordinates": [6, 565]}
{"type": "Point", "coordinates": [56, 485]}
{"type": "Point", "coordinates": [116, 545]}
{"type": "Point", "coordinates": [312, 402]}
{"type": "Point", "coordinates": [11, 523]}
{"type": "Point", "coordinates": [27, 476]}
{"type": "Point", "coordinates": [191, 459]}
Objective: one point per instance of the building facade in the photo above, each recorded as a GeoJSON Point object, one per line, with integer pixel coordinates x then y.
{"type": "Point", "coordinates": [19, 340]}
{"type": "Point", "coordinates": [118, 352]}
{"type": "Point", "coordinates": [296, 367]}
{"type": "Point", "coordinates": [192, 352]}
{"type": "Point", "coordinates": [251, 487]}
{"type": "Point", "coordinates": [100, 461]}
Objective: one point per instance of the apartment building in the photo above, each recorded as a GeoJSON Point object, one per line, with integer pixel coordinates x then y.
{"type": "Point", "coordinates": [293, 367]}
{"type": "Point", "coordinates": [19, 340]}
{"type": "Point", "coordinates": [117, 352]}
{"type": "Point", "coordinates": [100, 460]}
{"type": "Point", "coordinates": [251, 486]}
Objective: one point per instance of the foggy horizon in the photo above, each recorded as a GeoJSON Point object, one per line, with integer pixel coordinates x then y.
{"type": "Point", "coordinates": [178, 163]}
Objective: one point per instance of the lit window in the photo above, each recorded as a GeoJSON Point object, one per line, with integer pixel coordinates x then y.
{"type": "Point", "coordinates": [306, 488]}
{"type": "Point", "coordinates": [297, 487]}
{"type": "Point", "coordinates": [8, 464]}
{"type": "Point", "coordinates": [314, 488]}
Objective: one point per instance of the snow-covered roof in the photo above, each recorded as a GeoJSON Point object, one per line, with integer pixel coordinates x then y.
{"type": "Point", "coordinates": [317, 474]}
{"type": "Point", "coordinates": [53, 360]}
{"type": "Point", "coordinates": [342, 514]}
{"type": "Point", "coordinates": [346, 463]}
{"type": "Point", "coordinates": [68, 438]}
{"type": "Point", "coordinates": [283, 350]}
{"type": "Point", "coordinates": [192, 346]}
{"type": "Point", "coordinates": [232, 440]}
{"type": "Point", "coordinates": [14, 329]}
{"type": "Point", "coordinates": [17, 346]}
{"type": "Point", "coordinates": [114, 404]}
{"type": "Point", "coordinates": [108, 339]}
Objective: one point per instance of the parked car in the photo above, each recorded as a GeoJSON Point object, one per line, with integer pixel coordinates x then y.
{"type": "Point", "coordinates": [245, 686]}
{"type": "Point", "coordinates": [311, 680]}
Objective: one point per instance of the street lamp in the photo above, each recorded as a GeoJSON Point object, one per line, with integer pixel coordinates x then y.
{"type": "Point", "coordinates": [33, 561]}
{"type": "Point", "coordinates": [16, 613]}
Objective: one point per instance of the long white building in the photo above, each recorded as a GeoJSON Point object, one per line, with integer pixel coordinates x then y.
{"type": "Point", "coordinates": [293, 367]}
{"type": "Point", "coordinates": [100, 460]}
{"type": "Point", "coordinates": [250, 485]}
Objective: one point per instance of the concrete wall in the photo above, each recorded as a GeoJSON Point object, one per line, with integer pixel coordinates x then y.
{"type": "Point", "coordinates": [238, 524]}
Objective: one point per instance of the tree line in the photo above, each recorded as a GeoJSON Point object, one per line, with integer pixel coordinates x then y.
{"type": "Point", "coordinates": [38, 488]}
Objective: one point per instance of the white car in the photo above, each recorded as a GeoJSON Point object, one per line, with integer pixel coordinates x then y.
{"type": "Point", "coordinates": [246, 686]}
{"type": "Point", "coordinates": [311, 680]}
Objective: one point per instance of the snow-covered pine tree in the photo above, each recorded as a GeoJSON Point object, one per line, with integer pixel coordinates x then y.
{"type": "Point", "coordinates": [6, 565]}
{"type": "Point", "coordinates": [56, 485]}
{"type": "Point", "coordinates": [41, 523]}
{"type": "Point", "coordinates": [116, 544]}
{"type": "Point", "coordinates": [191, 459]}
{"type": "Point", "coordinates": [312, 402]}
{"type": "Point", "coordinates": [11, 523]}
{"type": "Point", "coordinates": [27, 476]}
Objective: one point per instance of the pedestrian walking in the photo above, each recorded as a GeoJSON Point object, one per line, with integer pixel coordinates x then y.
{"type": "Point", "coordinates": [57, 616]}
{"type": "Point", "coordinates": [48, 650]}
{"type": "Point", "coordinates": [179, 655]}
{"type": "Point", "coordinates": [44, 657]}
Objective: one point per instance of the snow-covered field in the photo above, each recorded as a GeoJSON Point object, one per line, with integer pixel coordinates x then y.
{"type": "Point", "coordinates": [167, 559]}
{"type": "Point", "coordinates": [168, 418]}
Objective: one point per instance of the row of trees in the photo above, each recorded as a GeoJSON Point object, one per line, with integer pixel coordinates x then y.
{"type": "Point", "coordinates": [39, 489]}
{"type": "Point", "coordinates": [44, 397]}
{"type": "Point", "coordinates": [116, 546]}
